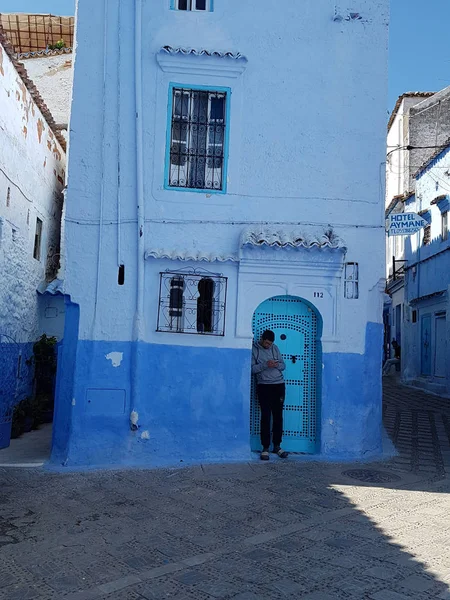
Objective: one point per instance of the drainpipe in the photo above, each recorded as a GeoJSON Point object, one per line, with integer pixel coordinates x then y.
{"type": "Point", "coordinates": [139, 324]}
{"type": "Point", "coordinates": [95, 329]}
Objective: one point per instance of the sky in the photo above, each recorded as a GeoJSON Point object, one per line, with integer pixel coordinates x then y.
{"type": "Point", "coordinates": [419, 57]}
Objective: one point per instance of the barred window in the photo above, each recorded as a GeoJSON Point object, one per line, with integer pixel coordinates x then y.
{"type": "Point", "coordinates": [444, 226]}
{"type": "Point", "coordinates": [351, 283]}
{"type": "Point", "coordinates": [197, 141]}
{"type": "Point", "coordinates": [427, 235]}
{"type": "Point", "coordinates": [192, 301]}
{"type": "Point", "coordinates": [193, 5]}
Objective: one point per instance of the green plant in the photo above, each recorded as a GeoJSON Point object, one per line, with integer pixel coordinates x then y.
{"type": "Point", "coordinates": [58, 46]}
{"type": "Point", "coordinates": [22, 411]}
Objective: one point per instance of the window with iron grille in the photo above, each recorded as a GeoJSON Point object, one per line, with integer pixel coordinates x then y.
{"type": "Point", "coordinates": [444, 222]}
{"type": "Point", "coordinates": [197, 147]}
{"type": "Point", "coordinates": [192, 301]}
{"type": "Point", "coordinates": [427, 235]}
{"type": "Point", "coordinates": [351, 282]}
{"type": "Point", "coordinates": [196, 5]}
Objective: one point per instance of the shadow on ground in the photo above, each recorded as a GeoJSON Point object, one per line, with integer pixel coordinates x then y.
{"type": "Point", "coordinates": [249, 532]}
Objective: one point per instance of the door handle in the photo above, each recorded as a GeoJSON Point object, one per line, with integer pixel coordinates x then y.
{"type": "Point", "coordinates": [294, 359]}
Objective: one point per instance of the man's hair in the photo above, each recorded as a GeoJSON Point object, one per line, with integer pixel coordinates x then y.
{"type": "Point", "coordinates": [268, 335]}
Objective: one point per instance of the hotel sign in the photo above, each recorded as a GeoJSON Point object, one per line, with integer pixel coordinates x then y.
{"type": "Point", "coordinates": [405, 223]}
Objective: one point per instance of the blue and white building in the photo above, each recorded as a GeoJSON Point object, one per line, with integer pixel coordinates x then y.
{"type": "Point", "coordinates": [426, 325]}
{"type": "Point", "coordinates": [224, 178]}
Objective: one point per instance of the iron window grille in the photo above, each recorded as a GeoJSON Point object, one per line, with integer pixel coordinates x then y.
{"type": "Point", "coordinates": [351, 289]}
{"type": "Point", "coordinates": [195, 5]}
{"type": "Point", "coordinates": [427, 235]}
{"type": "Point", "coordinates": [444, 222]}
{"type": "Point", "coordinates": [192, 301]}
{"type": "Point", "coordinates": [197, 140]}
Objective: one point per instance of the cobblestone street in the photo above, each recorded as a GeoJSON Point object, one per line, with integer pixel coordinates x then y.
{"type": "Point", "coordinates": [254, 531]}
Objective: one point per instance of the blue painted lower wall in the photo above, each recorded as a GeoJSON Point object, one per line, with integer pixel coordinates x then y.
{"type": "Point", "coordinates": [193, 403]}
{"type": "Point", "coordinates": [15, 383]}
{"type": "Point", "coordinates": [351, 414]}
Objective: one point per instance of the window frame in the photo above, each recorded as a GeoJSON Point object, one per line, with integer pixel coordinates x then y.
{"type": "Point", "coordinates": [226, 142]}
{"type": "Point", "coordinates": [351, 281]}
{"type": "Point", "coordinates": [444, 226]}
{"type": "Point", "coordinates": [174, 4]}
{"type": "Point", "coordinates": [183, 312]}
{"type": "Point", "coordinates": [38, 239]}
{"type": "Point", "coordinates": [426, 235]}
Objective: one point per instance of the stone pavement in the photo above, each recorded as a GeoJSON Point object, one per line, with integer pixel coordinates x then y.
{"type": "Point", "coordinates": [255, 531]}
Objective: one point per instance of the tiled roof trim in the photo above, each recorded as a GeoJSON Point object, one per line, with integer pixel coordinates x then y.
{"type": "Point", "coordinates": [276, 238]}
{"type": "Point", "coordinates": [400, 100]}
{"type": "Point", "coordinates": [44, 53]}
{"type": "Point", "coordinates": [22, 72]}
{"type": "Point", "coordinates": [439, 199]}
{"type": "Point", "coordinates": [53, 288]}
{"type": "Point", "coordinates": [396, 199]}
{"type": "Point", "coordinates": [433, 157]}
{"type": "Point", "coordinates": [203, 52]}
{"type": "Point", "coordinates": [194, 255]}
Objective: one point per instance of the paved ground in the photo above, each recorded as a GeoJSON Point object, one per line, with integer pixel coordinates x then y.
{"type": "Point", "coordinates": [248, 532]}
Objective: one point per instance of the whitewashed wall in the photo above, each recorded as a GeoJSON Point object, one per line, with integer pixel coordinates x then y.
{"type": "Point", "coordinates": [32, 174]}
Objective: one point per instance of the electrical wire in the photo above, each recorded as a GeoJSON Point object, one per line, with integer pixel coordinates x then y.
{"type": "Point", "coordinates": [16, 186]}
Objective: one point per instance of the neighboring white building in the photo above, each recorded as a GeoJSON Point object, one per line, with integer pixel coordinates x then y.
{"type": "Point", "coordinates": [32, 177]}
{"type": "Point", "coordinates": [426, 361]}
{"type": "Point", "coordinates": [52, 73]}
{"type": "Point", "coordinates": [419, 123]}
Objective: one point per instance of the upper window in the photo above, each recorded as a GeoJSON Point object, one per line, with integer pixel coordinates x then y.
{"type": "Point", "coordinates": [197, 149]}
{"type": "Point", "coordinates": [192, 301]}
{"type": "Point", "coordinates": [426, 240]}
{"type": "Point", "coordinates": [204, 5]}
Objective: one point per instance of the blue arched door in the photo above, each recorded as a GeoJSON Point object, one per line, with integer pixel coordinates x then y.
{"type": "Point", "coordinates": [297, 332]}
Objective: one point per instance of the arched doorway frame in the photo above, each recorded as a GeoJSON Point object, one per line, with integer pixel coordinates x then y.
{"type": "Point", "coordinates": [318, 361]}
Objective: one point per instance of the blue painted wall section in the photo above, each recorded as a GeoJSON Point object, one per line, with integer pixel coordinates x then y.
{"type": "Point", "coordinates": [196, 406]}
{"type": "Point", "coordinates": [352, 400]}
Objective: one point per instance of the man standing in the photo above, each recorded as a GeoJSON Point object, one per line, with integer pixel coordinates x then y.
{"type": "Point", "coordinates": [268, 366]}
{"type": "Point", "coordinates": [393, 361]}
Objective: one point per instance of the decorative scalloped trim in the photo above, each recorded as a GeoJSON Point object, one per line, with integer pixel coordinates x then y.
{"type": "Point", "coordinates": [43, 53]}
{"type": "Point", "coordinates": [203, 52]}
{"type": "Point", "coordinates": [186, 255]}
{"type": "Point", "coordinates": [292, 239]}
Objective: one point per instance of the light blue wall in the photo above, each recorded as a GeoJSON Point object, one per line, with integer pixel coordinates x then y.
{"type": "Point", "coordinates": [306, 122]}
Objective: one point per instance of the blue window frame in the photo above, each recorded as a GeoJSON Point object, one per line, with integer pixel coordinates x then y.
{"type": "Point", "coordinates": [192, 5]}
{"type": "Point", "coordinates": [197, 138]}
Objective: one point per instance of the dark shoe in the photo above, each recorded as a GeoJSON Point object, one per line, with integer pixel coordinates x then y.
{"type": "Point", "coordinates": [280, 452]}
{"type": "Point", "coordinates": [265, 454]}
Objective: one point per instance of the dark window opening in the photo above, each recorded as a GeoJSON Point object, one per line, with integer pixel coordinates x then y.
{"type": "Point", "coordinates": [197, 146]}
{"type": "Point", "coordinates": [192, 4]}
{"type": "Point", "coordinates": [192, 301]}
{"type": "Point", "coordinates": [427, 235]}
{"type": "Point", "coordinates": [8, 196]}
{"type": "Point", "coordinates": [176, 303]}
{"type": "Point", "coordinates": [444, 222]}
{"type": "Point", "coordinates": [205, 305]}
{"type": "Point", "coordinates": [37, 239]}
{"type": "Point", "coordinates": [414, 316]}
{"type": "Point", "coordinates": [121, 275]}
